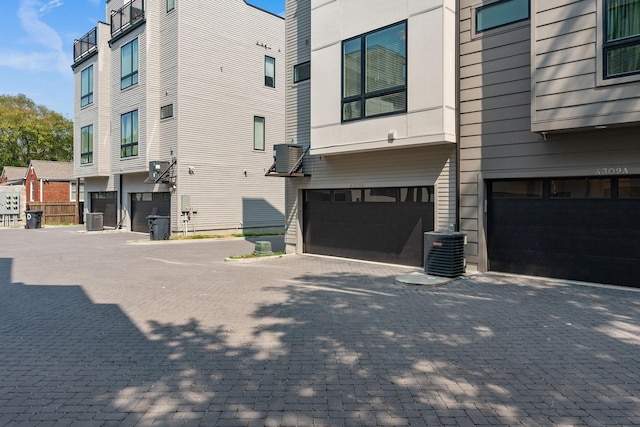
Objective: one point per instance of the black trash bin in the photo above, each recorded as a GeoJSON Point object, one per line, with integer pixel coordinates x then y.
{"type": "Point", "coordinates": [159, 227]}
{"type": "Point", "coordinates": [34, 219]}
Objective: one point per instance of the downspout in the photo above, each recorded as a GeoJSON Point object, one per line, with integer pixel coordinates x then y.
{"type": "Point", "coordinates": [120, 217]}
{"type": "Point", "coordinates": [457, 120]}
{"type": "Point", "coordinates": [41, 190]}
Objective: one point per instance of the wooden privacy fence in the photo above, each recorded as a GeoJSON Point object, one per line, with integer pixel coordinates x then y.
{"type": "Point", "coordinates": [57, 213]}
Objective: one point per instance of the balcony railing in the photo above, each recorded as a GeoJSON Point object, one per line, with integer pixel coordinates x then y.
{"type": "Point", "coordinates": [126, 16]}
{"type": "Point", "coordinates": [85, 44]}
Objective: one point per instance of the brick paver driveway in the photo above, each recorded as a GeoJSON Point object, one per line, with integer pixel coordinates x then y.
{"type": "Point", "coordinates": [95, 330]}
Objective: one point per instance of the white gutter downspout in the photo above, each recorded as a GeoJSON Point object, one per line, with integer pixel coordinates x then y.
{"type": "Point", "coordinates": [41, 189]}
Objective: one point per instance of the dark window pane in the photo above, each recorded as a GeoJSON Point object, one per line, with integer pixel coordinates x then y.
{"type": "Point", "coordinates": [623, 60]}
{"type": "Point", "coordinates": [302, 72]}
{"type": "Point", "coordinates": [591, 188]}
{"type": "Point", "coordinates": [386, 59]}
{"type": "Point", "coordinates": [389, 195]}
{"type": "Point", "coordinates": [352, 68]}
{"type": "Point", "coordinates": [416, 194]}
{"type": "Point", "coordinates": [623, 19]}
{"type": "Point", "coordinates": [384, 104]}
{"type": "Point", "coordinates": [629, 188]}
{"type": "Point", "coordinates": [523, 188]}
{"type": "Point", "coordinates": [501, 13]}
{"type": "Point", "coordinates": [318, 195]}
{"type": "Point", "coordinates": [352, 110]}
{"type": "Point", "coordinates": [347, 195]}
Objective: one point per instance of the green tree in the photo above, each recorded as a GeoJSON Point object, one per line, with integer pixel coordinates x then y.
{"type": "Point", "coordinates": [32, 132]}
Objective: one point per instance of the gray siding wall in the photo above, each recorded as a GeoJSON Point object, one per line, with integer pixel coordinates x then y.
{"type": "Point", "coordinates": [298, 103]}
{"type": "Point", "coordinates": [496, 139]}
{"type": "Point", "coordinates": [98, 113]}
{"type": "Point", "coordinates": [569, 90]}
{"type": "Point", "coordinates": [221, 87]}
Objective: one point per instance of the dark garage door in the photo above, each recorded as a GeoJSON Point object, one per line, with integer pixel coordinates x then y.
{"type": "Point", "coordinates": [584, 229]}
{"type": "Point", "coordinates": [107, 203]}
{"type": "Point", "coordinates": [376, 224]}
{"type": "Point", "coordinates": [145, 204]}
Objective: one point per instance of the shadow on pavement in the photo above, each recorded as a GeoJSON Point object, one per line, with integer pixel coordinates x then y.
{"type": "Point", "coordinates": [343, 349]}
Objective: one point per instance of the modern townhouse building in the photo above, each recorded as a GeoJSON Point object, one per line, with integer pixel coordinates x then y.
{"type": "Point", "coordinates": [549, 148]}
{"type": "Point", "coordinates": [177, 107]}
{"type": "Point", "coordinates": [371, 105]}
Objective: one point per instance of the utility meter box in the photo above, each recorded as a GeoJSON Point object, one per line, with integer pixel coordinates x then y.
{"type": "Point", "coordinates": [185, 203]}
{"type": "Point", "coordinates": [10, 204]}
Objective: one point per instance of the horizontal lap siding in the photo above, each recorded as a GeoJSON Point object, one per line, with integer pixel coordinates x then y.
{"type": "Point", "coordinates": [220, 89]}
{"type": "Point", "coordinates": [495, 95]}
{"type": "Point", "coordinates": [568, 92]}
{"type": "Point", "coordinates": [298, 103]}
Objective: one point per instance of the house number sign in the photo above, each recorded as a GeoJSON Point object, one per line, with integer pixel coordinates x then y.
{"type": "Point", "coordinates": [612, 171]}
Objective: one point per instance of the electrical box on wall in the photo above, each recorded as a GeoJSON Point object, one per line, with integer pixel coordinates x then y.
{"type": "Point", "coordinates": [185, 203]}
{"type": "Point", "coordinates": [10, 204]}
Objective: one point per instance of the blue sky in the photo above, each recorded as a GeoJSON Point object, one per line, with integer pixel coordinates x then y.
{"type": "Point", "coordinates": [36, 46]}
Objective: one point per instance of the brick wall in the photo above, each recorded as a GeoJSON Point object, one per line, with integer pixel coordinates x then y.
{"type": "Point", "coordinates": [52, 191]}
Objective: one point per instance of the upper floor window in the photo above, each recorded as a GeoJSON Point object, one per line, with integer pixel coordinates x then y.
{"type": "Point", "coordinates": [171, 4]}
{"type": "Point", "coordinates": [86, 144]}
{"type": "Point", "coordinates": [302, 72]}
{"type": "Point", "coordinates": [129, 64]}
{"type": "Point", "coordinates": [622, 38]}
{"type": "Point", "coordinates": [86, 93]}
{"type": "Point", "coordinates": [129, 134]}
{"type": "Point", "coordinates": [374, 73]}
{"type": "Point", "coordinates": [501, 13]}
{"type": "Point", "coordinates": [269, 71]}
{"type": "Point", "coordinates": [258, 133]}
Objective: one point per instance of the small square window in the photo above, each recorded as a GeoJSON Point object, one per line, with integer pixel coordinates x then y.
{"type": "Point", "coordinates": [302, 72]}
{"type": "Point", "coordinates": [166, 111]}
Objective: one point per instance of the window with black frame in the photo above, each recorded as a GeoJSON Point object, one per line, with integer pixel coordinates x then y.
{"type": "Point", "coordinates": [129, 64]}
{"type": "Point", "coordinates": [86, 77]}
{"type": "Point", "coordinates": [86, 144]}
{"type": "Point", "coordinates": [269, 71]}
{"type": "Point", "coordinates": [621, 38]}
{"type": "Point", "coordinates": [374, 73]}
{"type": "Point", "coordinates": [129, 134]}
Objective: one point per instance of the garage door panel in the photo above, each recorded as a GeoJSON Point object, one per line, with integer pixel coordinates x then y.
{"type": "Point", "coordinates": [596, 240]}
{"type": "Point", "coordinates": [386, 232]}
{"type": "Point", "coordinates": [145, 204]}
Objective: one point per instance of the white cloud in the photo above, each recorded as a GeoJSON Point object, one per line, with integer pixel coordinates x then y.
{"type": "Point", "coordinates": [52, 4]}
{"type": "Point", "coordinates": [47, 50]}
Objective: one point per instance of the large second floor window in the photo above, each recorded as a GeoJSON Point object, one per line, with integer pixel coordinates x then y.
{"type": "Point", "coordinates": [86, 91]}
{"type": "Point", "coordinates": [129, 134]}
{"type": "Point", "coordinates": [129, 64]}
{"type": "Point", "coordinates": [622, 38]}
{"type": "Point", "coordinates": [86, 144]}
{"type": "Point", "coordinates": [374, 73]}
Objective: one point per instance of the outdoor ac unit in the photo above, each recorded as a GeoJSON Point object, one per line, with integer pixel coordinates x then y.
{"type": "Point", "coordinates": [95, 221]}
{"type": "Point", "coordinates": [444, 253]}
{"type": "Point", "coordinates": [286, 157]}
{"type": "Point", "coordinates": [157, 168]}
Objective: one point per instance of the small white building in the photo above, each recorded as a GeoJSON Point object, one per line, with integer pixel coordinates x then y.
{"type": "Point", "coordinates": [177, 107]}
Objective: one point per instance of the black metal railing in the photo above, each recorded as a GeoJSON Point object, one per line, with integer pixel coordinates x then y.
{"type": "Point", "coordinates": [126, 16]}
{"type": "Point", "coordinates": [85, 44]}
